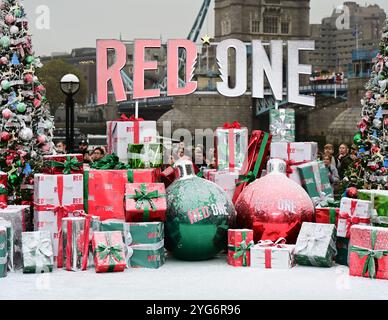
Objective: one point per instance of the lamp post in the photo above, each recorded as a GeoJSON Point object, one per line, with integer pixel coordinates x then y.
{"type": "Point", "coordinates": [70, 85]}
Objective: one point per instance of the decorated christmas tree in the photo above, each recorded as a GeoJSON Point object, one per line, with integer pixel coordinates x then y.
{"type": "Point", "coordinates": [26, 124]}
{"type": "Point", "coordinates": [370, 169]}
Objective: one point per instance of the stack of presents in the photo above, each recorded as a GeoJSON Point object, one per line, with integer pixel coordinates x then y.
{"type": "Point", "coordinates": [111, 216]}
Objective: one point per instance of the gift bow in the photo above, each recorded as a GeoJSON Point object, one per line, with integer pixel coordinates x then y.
{"type": "Point", "coordinates": [242, 248]}
{"type": "Point", "coordinates": [144, 200]}
{"type": "Point", "coordinates": [234, 125]}
{"type": "Point", "coordinates": [38, 248]}
{"type": "Point", "coordinates": [371, 254]}
{"type": "Point", "coordinates": [307, 241]}
{"type": "Point", "coordinates": [69, 164]}
{"type": "Point", "coordinates": [323, 200]}
{"type": "Point", "coordinates": [351, 219]}
{"type": "Point", "coordinates": [109, 162]}
{"type": "Point", "coordinates": [279, 243]}
{"type": "Point", "coordinates": [113, 252]}
{"type": "Point", "coordinates": [131, 118]}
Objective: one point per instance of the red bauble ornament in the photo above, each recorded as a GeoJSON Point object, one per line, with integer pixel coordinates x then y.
{"type": "Point", "coordinates": [5, 136]}
{"type": "Point", "coordinates": [4, 60]}
{"type": "Point", "coordinates": [386, 121]}
{"type": "Point", "coordinates": [29, 78]}
{"type": "Point", "coordinates": [352, 192]}
{"type": "Point", "coordinates": [37, 103]}
{"type": "Point", "coordinates": [9, 19]}
{"type": "Point", "coordinates": [41, 139]}
{"type": "Point", "coordinates": [274, 206]}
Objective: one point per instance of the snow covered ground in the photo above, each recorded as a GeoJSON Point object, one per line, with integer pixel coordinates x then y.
{"type": "Point", "coordinates": [178, 280]}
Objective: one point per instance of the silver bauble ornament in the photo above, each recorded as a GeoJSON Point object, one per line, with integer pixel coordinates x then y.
{"type": "Point", "coordinates": [377, 123]}
{"type": "Point", "coordinates": [14, 30]}
{"type": "Point", "coordinates": [26, 134]}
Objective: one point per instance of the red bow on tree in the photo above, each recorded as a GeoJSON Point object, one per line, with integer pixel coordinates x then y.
{"type": "Point", "coordinates": [234, 125]}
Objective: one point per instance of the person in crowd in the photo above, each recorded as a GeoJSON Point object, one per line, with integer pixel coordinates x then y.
{"type": "Point", "coordinates": [333, 172]}
{"type": "Point", "coordinates": [199, 157]}
{"type": "Point", "coordinates": [83, 149]}
{"type": "Point", "coordinates": [328, 150]}
{"type": "Point", "coordinates": [343, 160]}
{"type": "Point", "coordinates": [60, 147]}
{"type": "Point", "coordinates": [97, 154]}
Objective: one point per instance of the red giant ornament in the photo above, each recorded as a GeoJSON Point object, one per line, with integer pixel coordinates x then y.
{"type": "Point", "coordinates": [274, 206]}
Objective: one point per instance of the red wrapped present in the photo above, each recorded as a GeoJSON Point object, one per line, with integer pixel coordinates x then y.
{"type": "Point", "coordinates": [145, 202]}
{"type": "Point", "coordinates": [63, 164]}
{"type": "Point", "coordinates": [368, 252]}
{"type": "Point", "coordinates": [240, 242]}
{"type": "Point", "coordinates": [255, 162]}
{"type": "Point", "coordinates": [327, 215]}
{"type": "Point", "coordinates": [108, 248]}
{"type": "Point", "coordinates": [104, 190]}
{"type": "Point", "coordinates": [3, 189]}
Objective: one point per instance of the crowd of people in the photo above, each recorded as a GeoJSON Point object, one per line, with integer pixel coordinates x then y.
{"type": "Point", "coordinates": [83, 148]}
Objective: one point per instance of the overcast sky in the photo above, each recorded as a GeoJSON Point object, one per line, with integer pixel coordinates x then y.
{"type": "Point", "coordinates": [78, 23]}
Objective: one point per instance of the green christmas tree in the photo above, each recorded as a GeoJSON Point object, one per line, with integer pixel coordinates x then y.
{"type": "Point", "coordinates": [26, 124]}
{"type": "Point", "coordinates": [370, 169]}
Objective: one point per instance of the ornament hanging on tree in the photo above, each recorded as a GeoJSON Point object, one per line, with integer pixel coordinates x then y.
{"type": "Point", "coordinates": [15, 60]}
{"type": "Point", "coordinates": [5, 85]}
{"type": "Point", "coordinates": [5, 136]}
{"type": "Point", "coordinates": [9, 19]}
{"type": "Point", "coordinates": [6, 113]}
{"type": "Point", "coordinates": [14, 30]}
{"type": "Point", "coordinates": [198, 217]}
{"type": "Point", "coordinates": [274, 206]}
{"type": "Point", "coordinates": [25, 134]}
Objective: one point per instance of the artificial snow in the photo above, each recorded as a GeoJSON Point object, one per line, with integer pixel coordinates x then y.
{"type": "Point", "coordinates": [180, 280]}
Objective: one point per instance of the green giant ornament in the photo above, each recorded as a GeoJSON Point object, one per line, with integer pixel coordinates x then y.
{"type": "Point", "coordinates": [199, 215]}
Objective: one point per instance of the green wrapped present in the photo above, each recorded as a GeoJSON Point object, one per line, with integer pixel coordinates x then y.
{"type": "Point", "coordinates": [10, 243]}
{"type": "Point", "coordinates": [315, 179]}
{"type": "Point", "coordinates": [144, 156]}
{"type": "Point", "coordinates": [379, 199]}
{"type": "Point", "coordinates": [150, 256]}
{"type": "Point", "coordinates": [3, 252]}
{"type": "Point", "coordinates": [282, 125]}
{"type": "Point", "coordinates": [146, 232]}
{"type": "Point", "coordinates": [316, 245]}
{"type": "Point", "coordinates": [38, 255]}
{"type": "Point", "coordinates": [342, 256]}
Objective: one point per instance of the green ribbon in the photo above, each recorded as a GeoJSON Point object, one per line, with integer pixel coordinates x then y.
{"type": "Point", "coordinates": [3, 191]}
{"type": "Point", "coordinates": [144, 200]}
{"type": "Point", "coordinates": [241, 249]}
{"type": "Point", "coordinates": [68, 165]}
{"type": "Point", "coordinates": [86, 190]}
{"type": "Point", "coordinates": [371, 254]}
{"type": "Point", "coordinates": [332, 215]}
{"type": "Point", "coordinates": [113, 252]}
{"type": "Point", "coordinates": [252, 175]}
{"type": "Point", "coordinates": [130, 176]}
{"type": "Point", "coordinates": [109, 162]}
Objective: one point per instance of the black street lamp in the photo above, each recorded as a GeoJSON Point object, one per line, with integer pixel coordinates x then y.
{"type": "Point", "coordinates": [70, 85]}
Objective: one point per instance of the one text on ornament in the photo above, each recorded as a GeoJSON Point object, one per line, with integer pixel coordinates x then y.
{"type": "Point", "coordinates": [262, 66]}
{"type": "Point", "coordinates": [287, 205]}
{"type": "Point", "coordinates": [204, 212]}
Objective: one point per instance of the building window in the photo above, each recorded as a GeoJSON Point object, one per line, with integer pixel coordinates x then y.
{"type": "Point", "coordinates": [255, 26]}
{"type": "Point", "coordinates": [271, 24]}
{"type": "Point", "coordinates": [225, 27]}
{"type": "Point", "coordinates": [285, 27]}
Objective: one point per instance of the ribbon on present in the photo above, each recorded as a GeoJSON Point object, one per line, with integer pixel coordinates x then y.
{"type": "Point", "coordinates": [144, 200]}
{"type": "Point", "coordinates": [109, 162]}
{"type": "Point", "coordinates": [241, 249]}
{"type": "Point", "coordinates": [231, 146]}
{"type": "Point", "coordinates": [269, 245]}
{"type": "Point", "coordinates": [371, 254]}
{"type": "Point", "coordinates": [3, 196]}
{"type": "Point", "coordinates": [307, 242]}
{"type": "Point", "coordinates": [109, 251]}
{"type": "Point", "coordinates": [252, 175]}
{"type": "Point", "coordinates": [38, 250]}
{"type": "Point", "coordinates": [351, 219]}
{"type": "Point", "coordinates": [61, 212]}
{"type": "Point", "coordinates": [323, 200]}
{"type": "Point", "coordinates": [71, 163]}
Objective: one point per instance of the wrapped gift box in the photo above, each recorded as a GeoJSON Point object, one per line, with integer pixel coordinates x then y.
{"type": "Point", "coordinates": [342, 256]}
{"type": "Point", "coordinates": [108, 248]}
{"type": "Point", "coordinates": [316, 245]}
{"type": "Point", "coordinates": [240, 242]}
{"type": "Point", "coordinates": [256, 160]}
{"type": "Point", "coordinates": [145, 202]}
{"type": "Point", "coordinates": [353, 211]}
{"type": "Point", "coordinates": [55, 197]}
{"type": "Point", "coordinates": [3, 252]}
{"type": "Point", "coordinates": [3, 188]}
{"type": "Point", "coordinates": [315, 180]}
{"type": "Point", "coordinates": [122, 133]}
{"type": "Point", "coordinates": [368, 252]}
{"type": "Point", "coordinates": [327, 215]}
{"type": "Point", "coordinates": [18, 216]}
{"type": "Point", "coordinates": [231, 147]}
{"type": "Point", "coordinates": [295, 152]}
{"type": "Point", "coordinates": [205, 172]}
{"type": "Point", "coordinates": [38, 255]}
{"type": "Point", "coordinates": [226, 180]}
{"type": "Point", "coordinates": [282, 125]}
{"type": "Point", "coordinates": [10, 243]}
{"type": "Point", "coordinates": [271, 255]}
{"type": "Point", "coordinates": [63, 164]}
{"type": "Point", "coordinates": [104, 190]}
{"type": "Point", "coordinates": [147, 155]}
{"type": "Point", "coordinates": [379, 199]}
